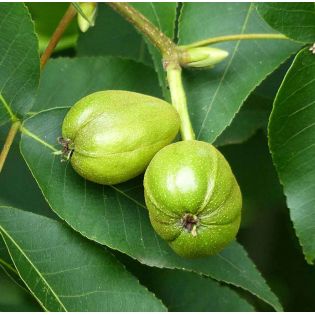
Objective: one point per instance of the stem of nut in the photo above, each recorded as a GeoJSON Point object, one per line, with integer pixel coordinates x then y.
{"type": "Point", "coordinates": [171, 64]}
{"type": "Point", "coordinates": [179, 101]}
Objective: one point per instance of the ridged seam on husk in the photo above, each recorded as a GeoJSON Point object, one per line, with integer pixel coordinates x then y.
{"type": "Point", "coordinates": [94, 116]}
{"type": "Point", "coordinates": [149, 195]}
{"type": "Point", "coordinates": [200, 210]}
{"type": "Point", "coordinates": [207, 196]}
{"type": "Point", "coordinates": [84, 153]}
{"type": "Point", "coordinates": [209, 192]}
{"type": "Point", "coordinates": [213, 213]}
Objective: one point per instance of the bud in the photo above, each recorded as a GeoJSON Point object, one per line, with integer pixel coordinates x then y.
{"type": "Point", "coordinates": [202, 57]}
{"type": "Point", "coordinates": [87, 18]}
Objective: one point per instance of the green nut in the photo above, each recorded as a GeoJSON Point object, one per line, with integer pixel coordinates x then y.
{"type": "Point", "coordinates": [193, 198]}
{"type": "Point", "coordinates": [111, 136]}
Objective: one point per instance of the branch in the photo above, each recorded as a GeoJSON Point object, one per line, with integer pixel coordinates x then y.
{"type": "Point", "coordinates": [62, 26]}
{"type": "Point", "coordinates": [157, 38]}
{"type": "Point", "coordinates": [220, 39]}
{"type": "Point", "coordinates": [8, 142]}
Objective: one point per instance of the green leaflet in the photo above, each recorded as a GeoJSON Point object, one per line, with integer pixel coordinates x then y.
{"type": "Point", "coordinates": [291, 140]}
{"type": "Point", "coordinates": [19, 61]}
{"type": "Point", "coordinates": [216, 95]}
{"type": "Point", "coordinates": [296, 20]}
{"type": "Point", "coordinates": [66, 272]}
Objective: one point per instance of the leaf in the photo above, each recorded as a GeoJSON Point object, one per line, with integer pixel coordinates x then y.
{"type": "Point", "coordinates": [65, 81]}
{"type": "Point", "coordinates": [18, 188]}
{"type": "Point", "coordinates": [184, 291]}
{"type": "Point", "coordinates": [252, 166]}
{"type": "Point", "coordinates": [270, 86]}
{"type": "Point", "coordinates": [253, 116]}
{"type": "Point", "coordinates": [295, 20]}
{"type": "Point", "coordinates": [7, 267]}
{"type": "Point", "coordinates": [19, 61]}
{"type": "Point", "coordinates": [13, 298]}
{"type": "Point", "coordinates": [163, 16]}
{"type": "Point", "coordinates": [114, 36]}
{"type": "Point", "coordinates": [216, 95]}
{"type": "Point", "coordinates": [5, 259]}
{"type": "Point", "coordinates": [116, 216]}
{"type": "Point", "coordinates": [267, 232]}
{"type": "Point", "coordinates": [244, 125]}
{"type": "Point", "coordinates": [292, 143]}
{"type": "Point", "coordinates": [197, 294]}
{"type": "Point", "coordinates": [66, 272]}
{"type": "Point", "coordinates": [46, 17]}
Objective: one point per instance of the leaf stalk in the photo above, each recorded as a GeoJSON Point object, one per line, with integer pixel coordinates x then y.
{"type": "Point", "coordinates": [226, 38]}
{"type": "Point", "coordinates": [8, 142]}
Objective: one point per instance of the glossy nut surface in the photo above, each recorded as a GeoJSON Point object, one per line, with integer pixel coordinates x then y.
{"type": "Point", "coordinates": [113, 135]}
{"type": "Point", "coordinates": [193, 198]}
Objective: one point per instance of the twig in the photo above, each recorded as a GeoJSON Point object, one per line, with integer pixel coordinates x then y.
{"type": "Point", "coordinates": [62, 26]}
{"type": "Point", "coordinates": [157, 37]}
